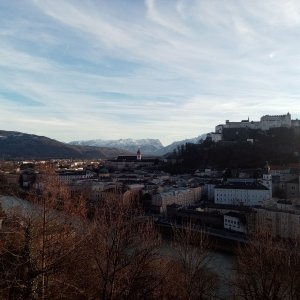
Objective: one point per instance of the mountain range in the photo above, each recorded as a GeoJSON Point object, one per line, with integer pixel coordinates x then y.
{"type": "Point", "coordinates": [147, 146]}
{"type": "Point", "coordinates": [18, 145]}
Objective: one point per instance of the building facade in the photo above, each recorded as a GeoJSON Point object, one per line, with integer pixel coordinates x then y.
{"type": "Point", "coordinates": [235, 222]}
{"type": "Point", "coordinates": [181, 196]}
{"type": "Point", "coordinates": [281, 223]}
{"type": "Point", "coordinates": [242, 194]}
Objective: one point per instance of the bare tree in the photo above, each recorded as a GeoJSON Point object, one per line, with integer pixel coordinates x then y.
{"type": "Point", "coordinates": [293, 269]}
{"type": "Point", "coordinates": [190, 273]}
{"type": "Point", "coordinates": [55, 252]}
{"type": "Point", "coordinates": [40, 243]}
{"type": "Point", "coordinates": [267, 268]}
{"type": "Point", "coordinates": [122, 253]}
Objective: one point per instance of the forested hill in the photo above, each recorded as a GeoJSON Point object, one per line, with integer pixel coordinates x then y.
{"type": "Point", "coordinates": [18, 145]}
{"type": "Point", "coordinates": [277, 146]}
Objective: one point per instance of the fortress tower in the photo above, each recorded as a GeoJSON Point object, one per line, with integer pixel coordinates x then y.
{"type": "Point", "coordinates": [267, 122]}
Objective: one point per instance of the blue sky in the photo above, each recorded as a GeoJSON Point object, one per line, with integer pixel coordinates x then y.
{"type": "Point", "coordinates": [166, 69]}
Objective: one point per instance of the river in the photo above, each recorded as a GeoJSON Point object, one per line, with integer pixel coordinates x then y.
{"type": "Point", "coordinates": [221, 262]}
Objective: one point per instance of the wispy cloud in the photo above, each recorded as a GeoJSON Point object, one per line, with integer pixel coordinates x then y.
{"type": "Point", "coordinates": [171, 24]}
{"type": "Point", "coordinates": [162, 69]}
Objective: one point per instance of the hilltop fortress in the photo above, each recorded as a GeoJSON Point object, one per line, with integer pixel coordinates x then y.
{"type": "Point", "coordinates": [240, 130]}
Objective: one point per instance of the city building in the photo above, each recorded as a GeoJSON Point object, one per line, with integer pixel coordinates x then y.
{"type": "Point", "coordinates": [131, 161]}
{"type": "Point", "coordinates": [73, 175]}
{"type": "Point", "coordinates": [249, 194]}
{"type": "Point", "coordinates": [180, 196]}
{"type": "Point", "coordinates": [235, 221]}
{"type": "Point", "coordinates": [282, 221]}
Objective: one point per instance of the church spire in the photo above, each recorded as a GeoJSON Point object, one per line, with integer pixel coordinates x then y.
{"type": "Point", "coordinates": [139, 154]}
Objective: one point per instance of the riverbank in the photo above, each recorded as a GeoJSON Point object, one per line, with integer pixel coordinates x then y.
{"type": "Point", "coordinates": [220, 240]}
{"type": "Point", "coordinates": [218, 261]}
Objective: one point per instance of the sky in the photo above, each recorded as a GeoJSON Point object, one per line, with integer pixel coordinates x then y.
{"type": "Point", "coordinates": [165, 69]}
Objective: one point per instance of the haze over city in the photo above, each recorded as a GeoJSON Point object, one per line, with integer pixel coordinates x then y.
{"type": "Point", "coordinates": [171, 70]}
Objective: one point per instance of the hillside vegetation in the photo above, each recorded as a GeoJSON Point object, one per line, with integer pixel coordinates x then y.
{"type": "Point", "coordinates": [278, 146]}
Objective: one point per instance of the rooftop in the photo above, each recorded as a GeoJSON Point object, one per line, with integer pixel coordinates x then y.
{"type": "Point", "coordinates": [242, 186]}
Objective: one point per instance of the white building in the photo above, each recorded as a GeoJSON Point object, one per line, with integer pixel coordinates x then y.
{"type": "Point", "coordinates": [267, 182]}
{"type": "Point", "coordinates": [242, 194]}
{"type": "Point", "coordinates": [267, 122]}
{"type": "Point", "coordinates": [235, 222]}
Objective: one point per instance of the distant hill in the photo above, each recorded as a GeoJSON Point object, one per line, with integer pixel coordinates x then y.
{"type": "Point", "coordinates": [17, 145]}
{"type": "Point", "coordinates": [147, 146]}
{"type": "Point", "coordinates": [170, 148]}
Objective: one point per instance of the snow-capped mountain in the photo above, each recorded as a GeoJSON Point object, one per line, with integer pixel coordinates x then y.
{"type": "Point", "coordinates": [147, 146]}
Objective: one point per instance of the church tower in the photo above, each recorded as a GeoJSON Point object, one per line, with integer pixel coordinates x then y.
{"type": "Point", "coordinates": [267, 179]}
{"type": "Point", "coordinates": [139, 155]}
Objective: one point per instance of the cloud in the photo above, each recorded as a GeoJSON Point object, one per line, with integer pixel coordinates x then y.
{"type": "Point", "coordinates": [154, 15]}
{"type": "Point", "coordinates": [162, 69]}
